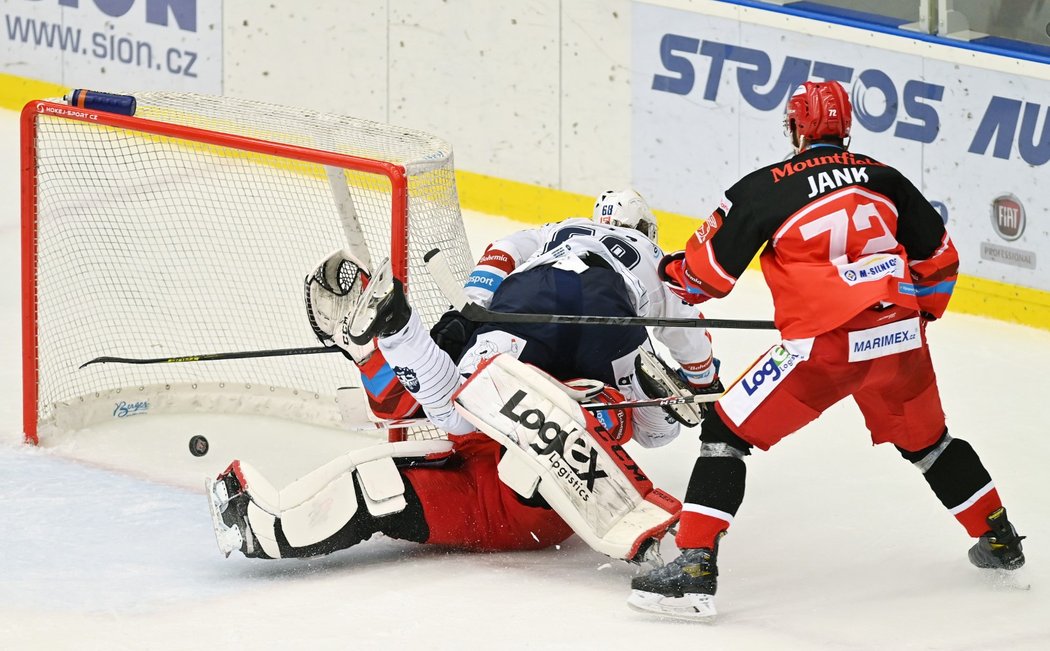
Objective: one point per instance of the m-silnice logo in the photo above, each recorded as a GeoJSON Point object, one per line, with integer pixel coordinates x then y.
{"type": "Point", "coordinates": [1008, 217]}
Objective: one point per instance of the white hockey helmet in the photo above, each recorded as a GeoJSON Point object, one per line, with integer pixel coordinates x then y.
{"type": "Point", "coordinates": [625, 208]}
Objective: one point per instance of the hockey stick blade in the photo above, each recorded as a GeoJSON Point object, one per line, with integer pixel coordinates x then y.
{"type": "Point", "coordinates": [453, 292]}
{"type": "Point", "coordinates": [213, 357]}
{"type": "Point", "coordinates": [449, 287]}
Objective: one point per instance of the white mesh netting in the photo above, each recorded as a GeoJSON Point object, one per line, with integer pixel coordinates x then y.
{"type": "Point", "coordinates": [158, 246]}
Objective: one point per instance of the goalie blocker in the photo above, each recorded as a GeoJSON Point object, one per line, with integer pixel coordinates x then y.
{"type": "Point", "coordinates": [564, 453]}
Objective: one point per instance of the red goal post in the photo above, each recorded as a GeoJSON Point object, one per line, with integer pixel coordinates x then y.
{"type": "Point", "coordinates": [187, 229]}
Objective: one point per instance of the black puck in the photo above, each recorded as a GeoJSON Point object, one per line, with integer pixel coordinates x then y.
{"type": "Point", "coordinates": [198, 446]}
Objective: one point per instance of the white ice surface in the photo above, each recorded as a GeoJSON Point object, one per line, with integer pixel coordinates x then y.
{"type": "Point", "coordinates": [106, 540]}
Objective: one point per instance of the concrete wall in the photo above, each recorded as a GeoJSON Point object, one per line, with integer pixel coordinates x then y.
{"type": "Point", "coordinates": [534, 91]}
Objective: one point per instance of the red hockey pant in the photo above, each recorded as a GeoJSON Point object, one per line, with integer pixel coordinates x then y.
{"type": "Point", "coordinates": [466, 506]}
{"type": "Point", "coordinates": [897, 393]}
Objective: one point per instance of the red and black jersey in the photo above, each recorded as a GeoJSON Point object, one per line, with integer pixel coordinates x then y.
{"type": "Point", "coordinates": [843, 232]}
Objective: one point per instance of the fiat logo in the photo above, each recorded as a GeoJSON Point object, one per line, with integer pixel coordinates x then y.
{"type": "Point", "coordinates": [1008, 218]}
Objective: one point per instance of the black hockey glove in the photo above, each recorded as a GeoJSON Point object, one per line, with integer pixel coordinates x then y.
{"type": "Point", "coordinates": [452, 332]}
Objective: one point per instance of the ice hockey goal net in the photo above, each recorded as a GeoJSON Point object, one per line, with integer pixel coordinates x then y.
{"type": "Point", "coordinates": [188, 228]}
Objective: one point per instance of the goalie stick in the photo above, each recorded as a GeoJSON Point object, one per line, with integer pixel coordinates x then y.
{"type": "Point", "coordinates": [453, 292]}
{"type": "Point", "coordinates": [344, 205]}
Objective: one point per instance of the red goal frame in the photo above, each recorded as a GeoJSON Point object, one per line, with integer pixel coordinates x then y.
{"type": "Point", "coordinates": [35, 109]}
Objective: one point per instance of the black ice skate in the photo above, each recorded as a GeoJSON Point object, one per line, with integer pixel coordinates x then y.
{"type": "Point", "coordinates": [682, 589]}
{"type": "Point", "coordinates": [381, 311]}
{"type": "Point", "coordinates": [658, 380]}
{"type": "Point", "coordinates": [1000, 548]}
{"type": "Point", "coordinates": [229, 515]}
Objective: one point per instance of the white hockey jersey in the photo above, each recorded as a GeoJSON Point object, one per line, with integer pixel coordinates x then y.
{"type": "Point", "coordinates": [626, 250]}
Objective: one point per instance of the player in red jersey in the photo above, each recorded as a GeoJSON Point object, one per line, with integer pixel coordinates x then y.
{"type": "Point", "coordinates": [858, 262]}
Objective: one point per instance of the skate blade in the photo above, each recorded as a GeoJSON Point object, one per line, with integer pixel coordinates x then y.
{"type": "Point", "coordinates": [691, 608]}
{"type": "Point", "coordinates": [228, 538]}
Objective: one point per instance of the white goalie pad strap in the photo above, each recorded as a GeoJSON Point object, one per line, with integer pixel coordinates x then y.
{"type": "Point", "coordinates": [585, 476]}
{"type": "Point", "coordinates": [317, 505]}
{"type": "Point", "coordinates": [519, 474]}
{"type": "Point", "coordinates": [382, 486]}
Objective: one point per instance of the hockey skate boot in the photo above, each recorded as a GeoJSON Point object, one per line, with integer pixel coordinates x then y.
{"type": "Point", "coordinates": [381, 311]}
{"type": "Point", "coordinates": [682, 589]}
{"type": "Point", "coordinates": [229, 514]}
{"type": "Point", "coordinates": [1000, 548]}
{"type": "Point", "coordinates": [658, 380]}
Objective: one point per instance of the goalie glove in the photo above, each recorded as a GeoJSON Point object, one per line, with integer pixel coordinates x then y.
{"type": "Point", "coordinates": [331, 292]}
{"type": "Point", "coordinates": [452, 332]}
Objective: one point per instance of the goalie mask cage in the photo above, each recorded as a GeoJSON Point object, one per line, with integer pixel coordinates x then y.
{"type": "Point", "coordinates": [189, 229]}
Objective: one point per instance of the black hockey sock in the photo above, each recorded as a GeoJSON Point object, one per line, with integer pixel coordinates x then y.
{"type": "Point", "coordinates": [956, 474]}
{"type": "Point", "coordinates": [717, 483]}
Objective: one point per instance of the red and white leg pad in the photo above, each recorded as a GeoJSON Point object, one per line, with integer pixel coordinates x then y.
{"type": "Point", "coordinates": [560, 450]}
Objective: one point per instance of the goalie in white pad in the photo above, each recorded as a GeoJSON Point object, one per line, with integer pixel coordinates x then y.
{"type": "Point", "coordinates": [468, 504]}
{"type": "Point", "coordinates": [564, 453]}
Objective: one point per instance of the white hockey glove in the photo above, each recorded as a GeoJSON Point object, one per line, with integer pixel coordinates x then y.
{"type": "Point", "coordinates": [331, 292]}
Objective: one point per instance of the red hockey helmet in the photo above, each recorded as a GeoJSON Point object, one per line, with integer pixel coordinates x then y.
{"type": "Point", "coordinates": [819, 109]}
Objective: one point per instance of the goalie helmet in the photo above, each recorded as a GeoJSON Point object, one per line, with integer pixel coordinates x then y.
{"type": "Point", "coordinates": [625, 208]}
{"type": "Point", "coordinates": [817, 110]}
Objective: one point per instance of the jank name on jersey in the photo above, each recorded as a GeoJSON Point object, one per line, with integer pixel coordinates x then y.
{"type": "Point", "coordinates": [823, 181]}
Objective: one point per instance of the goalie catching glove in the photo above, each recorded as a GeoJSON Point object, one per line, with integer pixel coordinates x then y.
{"type": "Point", "coordinates": [332, 291]}
{"type": "Point", "coordinates": [567, 455]}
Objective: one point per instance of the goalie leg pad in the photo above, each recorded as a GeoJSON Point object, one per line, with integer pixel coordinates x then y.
{"type": "Point", "coordinates": [583, 473]}
{"type": "Point", "coordinates": [317, 506]}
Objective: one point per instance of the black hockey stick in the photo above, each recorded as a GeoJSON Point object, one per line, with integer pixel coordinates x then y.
{"type": "Point", "coordinates": [453, 292]}
{"type": "Point", "coordinates": [402, 423]}
{"type": "Point", "coordinates": [212, 357]}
